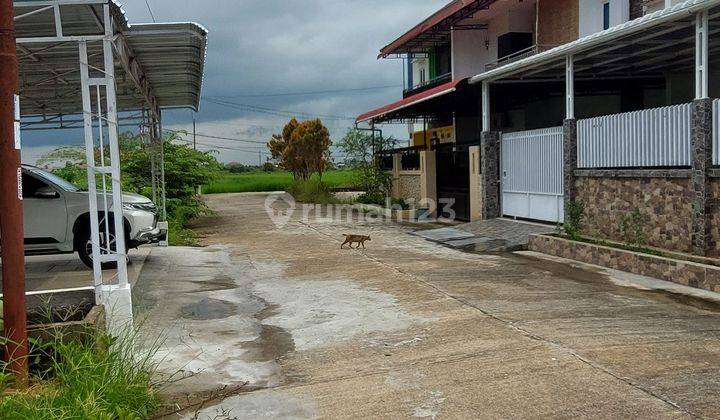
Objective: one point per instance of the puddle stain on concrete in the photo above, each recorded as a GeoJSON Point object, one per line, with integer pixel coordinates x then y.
{"type": "Point", "coordinates": [272, 343]}
{"type": "Point", "coordinates": [219, 282]}
{"type": "Point", "coordinates": [208, 309]}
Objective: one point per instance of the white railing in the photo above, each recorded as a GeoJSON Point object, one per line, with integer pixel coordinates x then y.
{"type": "Point", "coordinates": [716, 132]}
{"type": "Point", "coordinates": [658, 137]}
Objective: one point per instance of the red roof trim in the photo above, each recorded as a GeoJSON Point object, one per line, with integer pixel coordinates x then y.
{"type": "Point", "coordinates": [449, 10]}
{"type": "Point", "coordinates": [440, 90]}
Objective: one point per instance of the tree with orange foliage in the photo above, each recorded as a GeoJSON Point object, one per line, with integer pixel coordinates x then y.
{"type": "Point", "coordinates": [302, 148]}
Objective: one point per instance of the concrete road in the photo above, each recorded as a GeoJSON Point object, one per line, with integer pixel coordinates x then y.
{"type": "Point", "coordinates": [280, 322]}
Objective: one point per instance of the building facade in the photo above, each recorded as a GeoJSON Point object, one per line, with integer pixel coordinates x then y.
{"type": "Point", "coordinates": [605, 103]}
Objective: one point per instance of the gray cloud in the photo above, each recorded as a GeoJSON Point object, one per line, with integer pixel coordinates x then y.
{"type": "Point", "coordinates": [261, 47]}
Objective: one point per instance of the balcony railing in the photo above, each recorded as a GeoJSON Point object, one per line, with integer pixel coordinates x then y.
{"type": "Point", "coordinates": [517, 56]}
{"type": "Point", "coordinates": [409, 158]}
{"type": "Point", "coordinates": [427, 85]}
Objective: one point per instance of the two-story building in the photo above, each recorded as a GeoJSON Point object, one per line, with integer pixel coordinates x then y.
{"type": "Point", "coordinates": [518, 107]}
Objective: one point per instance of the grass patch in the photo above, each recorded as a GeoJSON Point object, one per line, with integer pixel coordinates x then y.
{"type": "Point", "coordinates": [314, 191]}
{"type": "Point", "coordinates": [98, 378]}
{"type": "Point", "coordinates": [617, 245]}
{"type": "Point", "coordinates": [273, 181]}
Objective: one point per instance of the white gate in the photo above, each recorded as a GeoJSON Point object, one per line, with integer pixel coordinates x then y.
{"type": "Point", "coordinates": [532, 174]}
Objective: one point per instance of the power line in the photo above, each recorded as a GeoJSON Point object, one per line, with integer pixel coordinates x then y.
{"type": "Point", "coordinates": [217, 137]}
{"type": "Point", "coordinates": [150, 10]}
{"type": "Point", "coordinates": [308, 93]}
{"type": "Point", "coordinates": [273, 111]}
{"type": "Point", "coordinates": [217, 146]}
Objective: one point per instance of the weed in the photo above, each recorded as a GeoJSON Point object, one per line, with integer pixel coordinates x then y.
{"type": "Point", "coordinates": [97, 377]}
{"type": "Point", "coordinates": [574, 214]}
{"type": "Point", "coordinates": [632, 227]}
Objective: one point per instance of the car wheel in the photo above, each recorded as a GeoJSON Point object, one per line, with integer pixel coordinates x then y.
{"type": "Point", "coordinates": [84, 248]}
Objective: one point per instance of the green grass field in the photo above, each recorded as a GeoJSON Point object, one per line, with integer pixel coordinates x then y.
{"type": "Point", "coordinates": [271, 181]}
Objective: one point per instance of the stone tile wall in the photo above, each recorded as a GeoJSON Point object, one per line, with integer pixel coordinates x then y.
{"type": "Point", "coordinates": [677, 271]}
{"type": "Point", "coordinates": [409, 186]}
{"type": "Point", "coordinates": [666, 202]}
{"type": "Point", "coordinates": [713, 217]}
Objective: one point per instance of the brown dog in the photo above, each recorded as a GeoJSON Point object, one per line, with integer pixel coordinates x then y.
{"type": "Point", "coordinates": [359, 239]}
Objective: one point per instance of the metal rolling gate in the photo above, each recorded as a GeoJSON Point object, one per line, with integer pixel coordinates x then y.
{"type": "Point", "coordinates": [453, 180]}
{"type": "Point", "coordinates": [532, 174]}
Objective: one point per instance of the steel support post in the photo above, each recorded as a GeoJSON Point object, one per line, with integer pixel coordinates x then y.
{"type": "Point", "coordinates": [569, 87]}
{"type": "Point", "coordinates": [485, 105]}
{"type": "Point", "coordinates": [107, 230]}
{"type": "Point", "coordinates": [702, 90]}
{"type": "Point", "coordinates": [11, 210]}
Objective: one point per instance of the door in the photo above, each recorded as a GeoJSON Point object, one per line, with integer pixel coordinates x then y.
{"type": "Point", "coordinates": [44, 212]}
{"type": "Point", "coordinates": [532, 175]}
{"type": "Point", "coordinates": [453, 181]}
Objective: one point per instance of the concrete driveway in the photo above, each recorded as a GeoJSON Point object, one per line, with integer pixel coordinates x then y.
{"type": "Point", "coordinates": [280, 322]}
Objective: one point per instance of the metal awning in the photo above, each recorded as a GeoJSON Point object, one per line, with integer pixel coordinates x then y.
{"type": "Point", "coordinates": [435, 29]}
{"type": "Point", "coordinates": [651, 45]}
{"type": "Point", "coordinates": [157, 65]}
{"type": "Point", "coordinates": [421, 97]}
{"type": "Point", "coordinates": [82, 59]}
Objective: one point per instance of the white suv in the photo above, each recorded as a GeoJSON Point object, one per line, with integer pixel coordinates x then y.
{"type": "Point", "coordinates": [57, 217]}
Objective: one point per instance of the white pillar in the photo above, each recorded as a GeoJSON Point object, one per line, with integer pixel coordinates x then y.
{"type": "Point", "coordinates": [485, 106]}
{"type": "Point", "coordinates": [701, 56]}
{"type": "Point", "coordinates": [570, 87]}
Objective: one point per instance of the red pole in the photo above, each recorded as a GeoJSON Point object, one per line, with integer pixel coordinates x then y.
{"type": "Point", "coordinates": [11, 211]}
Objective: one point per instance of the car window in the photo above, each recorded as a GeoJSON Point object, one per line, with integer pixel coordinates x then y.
{"type": "Point", "coordinates": [65, 185]}
{"type": "Point", "coordinates": [30, 185]}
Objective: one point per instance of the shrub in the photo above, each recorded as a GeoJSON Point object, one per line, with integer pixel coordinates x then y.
{"type": "Point", "coordinates": [99, 378]}
{"type": "Point", "coordinates": [632, 227]}
{"type": "Point", "coordinates": [372, 197]}
{"type": "Point", "coordinates": [574, 214]}
{"type": "Point", "coordinates": [311, 191]}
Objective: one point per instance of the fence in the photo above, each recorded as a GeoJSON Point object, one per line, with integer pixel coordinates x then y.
{"type": "Point", "coordinates": [658, 137]}
{"type": "Point", "coordinates": [716, 132]}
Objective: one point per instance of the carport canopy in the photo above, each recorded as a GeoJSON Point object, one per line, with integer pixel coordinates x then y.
{"type": "Point", "coordinates": [82, 65]}
{"type": "Point", "coordinates": [157, 65]}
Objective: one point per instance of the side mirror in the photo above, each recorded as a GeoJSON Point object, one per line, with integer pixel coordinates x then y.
{"type": "Point", "coordinates": [46, 193]}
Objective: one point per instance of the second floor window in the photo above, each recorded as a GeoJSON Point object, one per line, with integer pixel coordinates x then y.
{"type": "Point", "coordinates": [606, 15]}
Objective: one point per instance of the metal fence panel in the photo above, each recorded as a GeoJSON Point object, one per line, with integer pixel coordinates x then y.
{"type": "Point", "coordinates": [532, 174]}
{"type": "Point", "coordinates": [658, 137]}
{"type": "Point", "coordinates": [531, 160]}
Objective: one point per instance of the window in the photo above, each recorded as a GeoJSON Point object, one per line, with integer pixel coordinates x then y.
{"type": "Point", "coordinates": [606, 15]}
{"type": "Point", "coordinates": [30, 185]}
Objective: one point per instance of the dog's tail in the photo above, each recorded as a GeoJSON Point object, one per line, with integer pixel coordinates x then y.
{"type": "Point", "coordinates": [346, 235]}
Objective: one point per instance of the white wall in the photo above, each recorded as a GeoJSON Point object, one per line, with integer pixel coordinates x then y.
{"type": "Point", "coordinates": [419, 65]}
{"type": "Point", "coordinates": [654, 6]}
{"type": "Point", "coordinates": [469, 53]}
{"type": "Point", "coordinates": [468, 46]}
{"type": "Point", "coordinates": [591, 15]}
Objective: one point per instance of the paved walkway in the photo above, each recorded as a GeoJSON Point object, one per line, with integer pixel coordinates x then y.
{"type": "Point", "coordinates": [495, 235]}
{"type": "Point", "coordinates": [282, 323]}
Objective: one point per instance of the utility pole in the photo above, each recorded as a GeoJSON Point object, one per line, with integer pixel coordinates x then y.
{"type": "Point", "coordinates": [194, 135]}
{"type": "Point", "coordinates": [11, 210]}
{"type": "Point", "coordinates": [259, 158]}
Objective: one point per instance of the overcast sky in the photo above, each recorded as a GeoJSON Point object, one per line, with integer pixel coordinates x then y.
{"type": "Point", "coordinates": [260, 50]}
